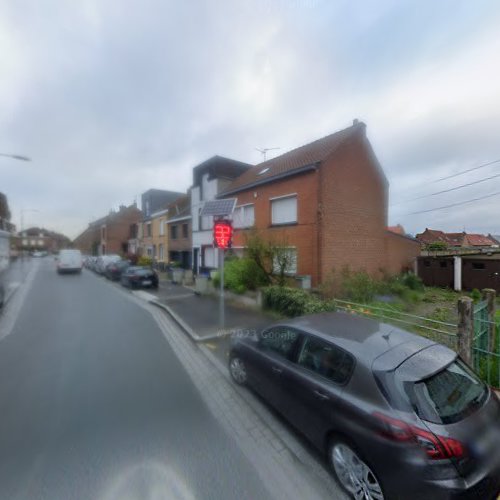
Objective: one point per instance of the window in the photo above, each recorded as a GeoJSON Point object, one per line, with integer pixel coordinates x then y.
{"type": "Point", "coordinates": [103, 233]}
{"type": "Point", "coordinates": [162, 227]}
{"type": "Point", "coordinates": [185, 231]}
{"type": "Point", "coordinates": [148, 229]}
{"type": "Point", "coordinates": [160, 251]}
{"type": "Point", "coordinates": [449, 396]}
{"type": "Point", "coordinates": [279, 340]}
{"type": "Point", "coordinates": [478, 266]}
{"type": "Point", "coordinates": [326, 360]}
{"type": "Point", "coordinates": [284, 210]}
{"type": "Point", "coordinates": [286, 259]}
{"type": "Point", "coordinates": [148, 208]}
{"type": "Point", "coordinates": [427, 263]}
{"type": "Point", "coordinates": [244, 216]}
{"type": "Point", "coordinates": [173, 232]}
{"type": "Point", "coordinates": [442, 263]}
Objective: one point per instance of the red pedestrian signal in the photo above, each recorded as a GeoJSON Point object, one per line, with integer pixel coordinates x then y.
{"type": "Point", "coordinates": [223, 234]}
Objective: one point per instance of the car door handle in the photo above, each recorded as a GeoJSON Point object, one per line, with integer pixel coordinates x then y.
{"type": "Point", "coordinates": [277, 370]}
{"type": "Point", "coordinates": [321, 395]}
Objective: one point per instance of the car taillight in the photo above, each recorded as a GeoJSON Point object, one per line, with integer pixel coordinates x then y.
{"type": "Point", "coordinates": [436, 447]}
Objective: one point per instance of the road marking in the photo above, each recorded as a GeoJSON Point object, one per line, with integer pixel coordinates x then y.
{"type": "Point", "coordinates": [211, 346]}
{"type": "Point", "coordinates": [144, 295]}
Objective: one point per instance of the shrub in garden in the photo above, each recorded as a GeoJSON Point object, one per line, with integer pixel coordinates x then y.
{"type": "Point", "coordinates": [241, 275]}
{"type": "Point", "coordinates": [358, 286]}
{"type": "Point", "coordinates": [475, 295]}
{"type": "Point", "coordinates": [144, 261]}
{"type": "Point", "coordinates": [293, 301]}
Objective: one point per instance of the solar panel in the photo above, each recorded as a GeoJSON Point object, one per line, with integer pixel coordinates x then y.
{"type": "Point", "coordinates": [219, 207]}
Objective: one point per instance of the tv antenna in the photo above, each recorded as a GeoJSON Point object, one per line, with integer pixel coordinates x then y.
{"type": "Point", "coordinates": [263, 151]}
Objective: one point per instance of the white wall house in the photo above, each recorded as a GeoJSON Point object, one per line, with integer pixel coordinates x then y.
{"type": "Point", "coordinates": [210, 178]}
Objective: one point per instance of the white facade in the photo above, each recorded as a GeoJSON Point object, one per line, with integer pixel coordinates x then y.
{"type": "Point", "coordinates": [202, 235]}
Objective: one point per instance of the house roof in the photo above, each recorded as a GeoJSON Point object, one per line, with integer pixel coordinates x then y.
{"type": "Point", "coordinates": [219, 166]}
{"type": "Point", "coordinates": [398, 229]}
{"type": "Point", "coordinates": [479, 240]}
{"type": "Point", "coordinates": [294, 161]}
{"type": "Point", "coordinates": [180, 208]}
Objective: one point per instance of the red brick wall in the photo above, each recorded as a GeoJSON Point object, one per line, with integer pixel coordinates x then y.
{"type": "Point", "coordinates": [401, 253]}
{"type": "Point", "coordinates": [354, 210]}
{"type": "Point", "coordinates": [118, 229]}
{"type": "Point", "coordinates": [85, 241]}
{"type": "Point", "coordinates": [302, 235]}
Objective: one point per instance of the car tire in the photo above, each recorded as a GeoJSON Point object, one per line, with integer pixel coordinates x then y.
{"type": "Point", "coordinates": [353, 473]}
{"type": "Point", "coordinates": [238, 370]}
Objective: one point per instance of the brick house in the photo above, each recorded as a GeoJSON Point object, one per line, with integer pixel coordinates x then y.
{"type": "Point", "coordinates": [455, 240]}
{"type": "Point", "coordinates": [109, 234]}
{"type": "Point", "coordinates": [40, 239]}
{"type": "Point", "coordinates": [179, 232]}
{"type": "Point", "coordinates": [154, 203]}
{"type": "Point", "coordinates": [210, 178]}
{"type": "Point", "coordinates": [327, 201]}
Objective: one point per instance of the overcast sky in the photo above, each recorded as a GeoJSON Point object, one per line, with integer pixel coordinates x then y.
{"type": "Point", "coordinates": [111, 98]}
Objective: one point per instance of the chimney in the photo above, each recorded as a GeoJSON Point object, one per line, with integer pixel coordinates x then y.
{"type": "Point", "coordinates": [355, 122]}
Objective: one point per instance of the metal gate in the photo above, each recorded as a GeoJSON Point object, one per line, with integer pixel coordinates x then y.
{"type": "Point", "coordinates": [486, 358]}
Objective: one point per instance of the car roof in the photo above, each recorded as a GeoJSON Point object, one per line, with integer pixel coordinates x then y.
{"type": "Point", "coordinates": [365, 338]}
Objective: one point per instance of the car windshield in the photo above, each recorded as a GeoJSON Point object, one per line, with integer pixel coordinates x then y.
{"type": "Point", "coordinates": [449, 396]}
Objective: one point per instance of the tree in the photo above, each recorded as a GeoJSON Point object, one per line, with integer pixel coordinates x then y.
{"type": "Point", "coordinates": [4, 207]}
{"type": "Point", "coordinates": [274, 257]}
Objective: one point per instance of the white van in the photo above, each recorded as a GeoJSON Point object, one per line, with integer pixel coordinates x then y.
{"type": "Point", "coordinates": [69, 261]}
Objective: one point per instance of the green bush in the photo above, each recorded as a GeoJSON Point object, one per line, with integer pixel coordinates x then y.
{"type": "Point", "coordinates": [144, 261]}
{"type": "Point", "coordinates": [413, 282]}
{"type": "Point", "coordinates": [293, 301]}
{"type": "Point", "coordinates": [358, 286]}
{"type": "Point", "coordinates": [475, 295]}
{"type": "Point", "coordinates": [437, 246]}
{"type": "Point", "coordinates": [241, 275]}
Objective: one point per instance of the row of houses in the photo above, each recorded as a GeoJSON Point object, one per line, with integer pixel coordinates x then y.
{"type": "Point", "coordinates": [327, 201]}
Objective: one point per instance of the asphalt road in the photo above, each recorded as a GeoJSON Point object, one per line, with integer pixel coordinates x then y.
{"type": "Point", "coordinates": [95, 404]}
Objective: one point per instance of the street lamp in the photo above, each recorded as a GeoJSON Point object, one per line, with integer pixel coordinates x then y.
{"type": "Point", "coordinates": [16, 157]}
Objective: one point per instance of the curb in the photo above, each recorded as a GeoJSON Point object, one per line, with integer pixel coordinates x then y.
{"type": "Point", "coordinates": [187, 329]}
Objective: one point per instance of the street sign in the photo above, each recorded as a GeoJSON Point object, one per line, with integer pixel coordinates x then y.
{"type": "Point", "coordinates": [223, 234]}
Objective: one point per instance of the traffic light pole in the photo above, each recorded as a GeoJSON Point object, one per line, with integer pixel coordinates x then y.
{"type": "Point", "coordinates": [221, 298]}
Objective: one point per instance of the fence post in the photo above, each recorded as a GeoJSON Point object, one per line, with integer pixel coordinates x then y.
{"type": "Point", "coordinates": [489, 294]}
{"type": "Point", "coordinates": [465, 331]}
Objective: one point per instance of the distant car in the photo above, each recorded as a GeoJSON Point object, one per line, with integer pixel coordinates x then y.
{"type": "Point", "coordinates": [139, 277]}
{"type": "Point", "coordinates": [103, 261]}
{"type": "Point", "coordinates": [396, 414]}
{"type": "Point", "coordinates": [115, 269]}
{"type": "Point", "coordinates": [38, 254]}
{"type": "Point", "coordinates": [69, 261]}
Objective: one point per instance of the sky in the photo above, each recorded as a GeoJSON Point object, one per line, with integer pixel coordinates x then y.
{"type": "Point", "coordinates": [110, 98]}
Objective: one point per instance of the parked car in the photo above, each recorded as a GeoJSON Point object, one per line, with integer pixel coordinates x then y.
{"type": "Point", "coordinates": [103, 261]}
{"type": "Point", "coordinates": [397, 415]}
{"type": "Point", "coordinates": [115, 269]}
{"type": "Point", "coordinates": [69, 261]}
{"type": "Point", "coordinates": [139, 277]}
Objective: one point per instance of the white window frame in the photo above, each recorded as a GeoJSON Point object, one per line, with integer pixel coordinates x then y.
{"type": "Point", "coordinates": [292, 270]}
{"type": "Point", "coordinates": [291, 220]}
{"type": "Point", "coordinates": [239, 219]}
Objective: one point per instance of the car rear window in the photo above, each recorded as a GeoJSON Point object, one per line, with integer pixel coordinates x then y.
{"type": "Point", "coordinates": [448, 396]}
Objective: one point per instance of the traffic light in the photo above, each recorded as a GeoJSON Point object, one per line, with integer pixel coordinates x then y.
{"type": "Point", "coordinates": [223, 234]}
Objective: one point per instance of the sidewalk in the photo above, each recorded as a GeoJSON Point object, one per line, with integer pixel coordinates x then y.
{"type": "Point", "coordinates": [198, 315]}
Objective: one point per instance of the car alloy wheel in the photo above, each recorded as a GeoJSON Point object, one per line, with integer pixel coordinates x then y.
{"type": "Point", "coordinates": [238, 370]}
{"type": "Point", "coordinates": [354, 474]}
